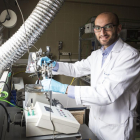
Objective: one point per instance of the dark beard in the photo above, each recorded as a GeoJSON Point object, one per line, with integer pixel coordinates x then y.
{"type": "Point", "coordinates": [111, 41]}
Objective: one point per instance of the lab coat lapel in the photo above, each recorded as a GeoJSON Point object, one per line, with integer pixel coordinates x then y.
{"type": "Point", "coordinates": [106, 61]}
{"type": "Point", "coordinates": [98, 67]}
{"type": "Point", "coordinates": [117, 47]}
{"type": "Point", "coordinates": [104, 65]}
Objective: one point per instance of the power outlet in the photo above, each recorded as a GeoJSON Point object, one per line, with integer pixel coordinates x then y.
{"type": "Point", "coordinates": [89, 28]}
{"type": "Point", "coordinates": [66, 53]}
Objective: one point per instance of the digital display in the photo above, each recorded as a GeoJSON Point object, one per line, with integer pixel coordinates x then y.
{"type": "Point", "coordinates": [48, 109]}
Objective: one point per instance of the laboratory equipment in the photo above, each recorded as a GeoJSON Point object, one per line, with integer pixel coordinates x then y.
{"type": "Point", "coordinates": [35, 25]}
{"type": "Point", "coordinates": [33, 91]}
{"type": "Point", "coordinates": [10, 18]}
{"type": "Point", "coordinates": [45, 70]}
{"type": "Point", "coordinates": [89, 28]}
{"type": "Point", "coordinates": [20, 133]}
{"type": "Point", "coordinates": [39, 121]}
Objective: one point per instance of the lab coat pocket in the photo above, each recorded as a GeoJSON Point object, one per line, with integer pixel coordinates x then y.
{"type": "Point", "coordinates": [105, 76]}
{"type": "Point", "coordinates": [113, 131]}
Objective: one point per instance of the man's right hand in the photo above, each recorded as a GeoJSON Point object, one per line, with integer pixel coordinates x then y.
{"type": "Point", "coordinates": [53, 85]}
{"type": "Point", "coordinates": [47, 60]}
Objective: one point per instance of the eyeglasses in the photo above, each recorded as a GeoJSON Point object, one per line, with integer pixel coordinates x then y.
{"type": "Point", "coordinates": [107, 27]}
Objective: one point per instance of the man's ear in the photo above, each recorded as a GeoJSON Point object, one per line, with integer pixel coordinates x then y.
{"type": "Point", "coordinates": [119, 28]}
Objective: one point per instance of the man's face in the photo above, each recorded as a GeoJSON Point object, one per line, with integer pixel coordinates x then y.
{"type": "Point", "coordinates": [106, 37]}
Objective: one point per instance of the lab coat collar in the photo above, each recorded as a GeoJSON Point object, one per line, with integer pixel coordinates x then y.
{"type": "Point", "coordinates": [118, 46]}
{"type": "Point", "coordinates": [108, 49]}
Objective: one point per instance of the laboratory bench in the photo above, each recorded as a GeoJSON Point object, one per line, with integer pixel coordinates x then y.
{"type": "Point", "coordinates": [19, 133]}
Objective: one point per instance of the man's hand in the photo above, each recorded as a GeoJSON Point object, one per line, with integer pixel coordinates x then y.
{"type": "Point", "coordinates": [47, 60]}
{"type": "Point", "coordinates": [55, 86]}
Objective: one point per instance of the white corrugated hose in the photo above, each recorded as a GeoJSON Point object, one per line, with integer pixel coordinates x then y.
{"type": "Point", "coordinates": [35, 25]}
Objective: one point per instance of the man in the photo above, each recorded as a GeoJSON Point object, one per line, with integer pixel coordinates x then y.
{"type": "Point", "coordinates": [115, 82]}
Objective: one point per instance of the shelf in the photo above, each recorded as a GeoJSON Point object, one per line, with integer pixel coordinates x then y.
{"type": "Point", "coordinates": [86, 79]}
{"type": "Point", "coordinates": [86, 38]}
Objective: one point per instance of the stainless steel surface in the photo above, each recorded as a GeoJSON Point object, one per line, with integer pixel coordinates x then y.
{"type": "Point", "coordinates": [48, 49]}
{"type": "Point", "coordinates": [86, 79]}
{"type": "Point", "coordinates": [29, 33]}
{"type": "Point", "coordinates": [18, 133]}
{"type": "Point", "coordinates": [33, 88]}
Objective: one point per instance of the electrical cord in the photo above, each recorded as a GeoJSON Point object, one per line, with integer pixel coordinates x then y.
{"type": "Point", "coordinates": [6, 9]}
{"type": "Point", "coordinates": [2, 98]}
{"type": "Point", "coordinates": [5, 83]}
{"type": "Point", "coordinates": [51, 105]}
{"type": "Point", "coordinates": [19, 65]}
{"type": "Point", "coordinates": [23, 23]}
{"type": "Point", "coordinates": [51, 118]}
{"type": "Point", "coordinates": [14, 118]}
{"type": "Point", "coordinates": [8, 15]}
{"type": "Point", "coordinates": [21, 124]}
{"type": "Point", "coordinates": [73, 80]}
{"type": "Point", "coordinates": [26, 36]}
{"type": "Point", "coordinates": [25, 31]}
{"type": "Point", "coordinates": [10, 93]}
{"type": "Point", "coordinates": [24, 26]}
{"type": "Point", "coordinates": [51, 109]}
{"type": "Point", "coordinates": [8, 116]}
{"type": "Point", "coordinates": [35, 47]}
{"type": "Point", "coordinates": [18, 72]}
{"type": "Point", "coordinates": [34, 68]}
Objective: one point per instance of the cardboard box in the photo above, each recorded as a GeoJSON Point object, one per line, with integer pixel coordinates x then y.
{"type": "Point", "coordinates": [79, 115]}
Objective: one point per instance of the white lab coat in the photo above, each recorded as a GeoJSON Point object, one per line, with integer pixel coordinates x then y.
{"type": "Point", "coordinates": [112, 95]}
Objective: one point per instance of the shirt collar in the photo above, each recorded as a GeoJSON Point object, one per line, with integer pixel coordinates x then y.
{"type": "Point", "coordinates": [108, 49]}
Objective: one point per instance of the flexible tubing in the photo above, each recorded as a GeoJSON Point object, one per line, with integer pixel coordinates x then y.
{"type": "Point", "coordinates": [35, 25]}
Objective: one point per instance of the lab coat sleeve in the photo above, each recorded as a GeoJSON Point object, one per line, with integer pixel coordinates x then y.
{"type": "Point", "coordinates": [56, 67]}
{"type": "Point", "coordinates": [71, 93]}
{"type": "Point", "coordinates": [77, 69]}
{"type": "Point", "coordinates": [122, 76]}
